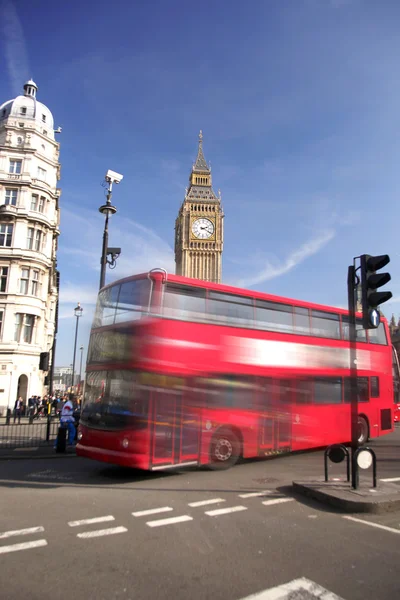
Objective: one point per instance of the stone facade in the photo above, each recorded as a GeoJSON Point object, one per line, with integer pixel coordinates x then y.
{"type": "Point", "coordinates": [199, 232]}
{"type": "Point", "coordinates": [29, 228]}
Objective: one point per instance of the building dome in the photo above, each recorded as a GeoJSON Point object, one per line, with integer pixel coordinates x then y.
{"type": "Point", "coordinates": [27, 107]}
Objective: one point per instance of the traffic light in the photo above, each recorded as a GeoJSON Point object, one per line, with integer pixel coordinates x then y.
{"type": "Point", "coordinates": [370, 282]}
{"type": "Point", "coordinates": [44, 361]}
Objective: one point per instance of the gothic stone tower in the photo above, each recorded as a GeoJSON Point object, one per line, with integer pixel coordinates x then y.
{"type": "Point", "coordinates": [199, 233]}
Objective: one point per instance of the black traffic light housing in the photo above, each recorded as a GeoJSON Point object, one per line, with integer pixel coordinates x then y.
{"type": "Point", "coordinates": [370, 282]}
{"type": "Point", "coordinates": [44, 361]}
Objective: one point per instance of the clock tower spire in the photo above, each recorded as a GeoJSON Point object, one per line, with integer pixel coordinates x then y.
{"type": "Point", "coordinates": [199, 233]}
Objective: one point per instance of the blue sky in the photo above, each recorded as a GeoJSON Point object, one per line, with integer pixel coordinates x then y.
{"type": "Point", "coordinates": [298, 101]}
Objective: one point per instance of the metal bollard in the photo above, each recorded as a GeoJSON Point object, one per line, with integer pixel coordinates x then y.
{"type": "Point", "coordinates": [8, 417]}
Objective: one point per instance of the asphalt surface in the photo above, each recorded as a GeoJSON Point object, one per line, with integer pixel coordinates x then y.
{"type": "Point", "coordinates": [51, 548]}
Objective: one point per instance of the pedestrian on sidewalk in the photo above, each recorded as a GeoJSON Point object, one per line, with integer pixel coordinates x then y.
{"type": "Point", "coordinates": [67, 420]}
{"type": "Point", "coordinates": [18, 409]}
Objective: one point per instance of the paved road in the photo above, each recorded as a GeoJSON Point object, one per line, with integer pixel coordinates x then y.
{"type": "Point", "coordinates": [79, 529]}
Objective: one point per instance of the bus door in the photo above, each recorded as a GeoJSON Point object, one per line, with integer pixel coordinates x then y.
{"type": "Point", "coordinates": [275, 425]}
{"type": "Point", "coordinates": [175, 430]}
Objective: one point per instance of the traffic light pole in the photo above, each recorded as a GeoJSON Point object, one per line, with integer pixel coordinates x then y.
{"type": "Point", "coordinates": [351, 289]}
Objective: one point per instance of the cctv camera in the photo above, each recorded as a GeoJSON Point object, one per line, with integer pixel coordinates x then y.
{"type": "Point", "coordinates": [113, 177]}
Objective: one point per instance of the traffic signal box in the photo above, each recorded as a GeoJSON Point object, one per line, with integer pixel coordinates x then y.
{"type": "Point", "coordinates": [371, 281]}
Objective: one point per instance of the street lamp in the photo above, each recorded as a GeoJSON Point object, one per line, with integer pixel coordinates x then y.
{"type": "Point", "coordinates": [80, 369]}
{"type": "Point", "coordinates": [78, 310]}
{"type": "Point", "coordinates": [108, 209]}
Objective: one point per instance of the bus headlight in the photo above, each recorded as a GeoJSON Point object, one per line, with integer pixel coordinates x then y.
{"type": "Point", "coordinates": [79, 436]}
{"type": "Point", "coordinates": [125, 443]}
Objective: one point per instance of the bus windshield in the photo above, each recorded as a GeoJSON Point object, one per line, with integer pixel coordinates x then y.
{"type": "Point", "coordinates": [122, 302]}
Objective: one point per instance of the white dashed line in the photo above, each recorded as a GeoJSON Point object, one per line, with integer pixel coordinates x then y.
{"type": "Point", "coordinates": [28, 531]}
{"type": "Point", "coordinates": [204, 502]}
{"type": "Point", "coordinates": [90, 521]}
{"type": "Point", "coordinates": [391, 479]}
{"type": "Point", "coordinates": [24, 546]}
{"type": "Point", "coordinates": [277, 501]}
{"type": "Point", "coordinates": [384, 527]}
{"type": "Point", "coordinates": [152, 511]}
{"type": "Point", "coordinates": [255, 494]}
{"type": "Point", "coordinates": [224, 511]}
{"type": "Point", "coordinates": [170, 521]}
{"type": "Point", "coordinates": [101, 532]}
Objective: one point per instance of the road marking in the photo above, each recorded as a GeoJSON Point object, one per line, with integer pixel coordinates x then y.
{"type": "Point", "coordinates": [255, 494]}
{"type": "Point", "coordinates": [384, 527]}
{"type": "Point", "coordinates": [25, 546]}
{"type": "Point", "coordinates": [170, 521]}
{"type": "Point", "coordinates": [101, 532]}
{"type": "Point", "coordinates": [224, 511]}
{"type": "Point", "coordinates": [8, 534]}
{"type": "Point", "coordinates": [390, 479]}
{"type": "Point", "coordinates": [299, 588]}
{"type": "Point", "coordinates": [26, 449]}
{"type": "Point", "coordinates": [204, 502]}
{"type": "Point", "coordinates": [152, 511]}
{"type": "Point", "coordinates": [90, 521]}
{"type": "Point", "coordinates": [277, 501]}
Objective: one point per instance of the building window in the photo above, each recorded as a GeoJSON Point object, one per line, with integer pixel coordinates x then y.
{"type": "Point", "coordinates": [24, 327]}
{"type": "Point", "coordinates": [23, 110]}
{"type": "Point", "coordinates": [11, 197]}
{"type": "Point", "coordinates": [42, 202]}
{"type": "Point", "coordinates": [19, 140]}
{"type": "Point", "coordinates": [3, 278]}
{"type": "Point", "coordinates": [6, 232]}
{"type": "Point", "coordinates": [35, 239]}
{"type": "Point", "coordinates": [34, 202]}
{"type": "Point", "coordinates": [44, 132]}
{"type": "Point", "coordinates": [35, 283]}
{"type": "Point", "coordinates": [44, 118]}
{"type": "Point", "coordinates": [21, 124]}
{"type": "Point", "coordinates": [15, 166]}
{"type": "Point", "coordinates": [42, 173]}
{"type": "Point", "coordinates": [24, 283]}
{"type": "Point", "coordinates": [1, 321]}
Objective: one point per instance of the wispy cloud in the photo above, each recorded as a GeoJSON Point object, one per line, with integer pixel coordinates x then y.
{"type": "Point", "coordinates": [270, 271]}
{"type": "Point", "coordinates": [15, 46]}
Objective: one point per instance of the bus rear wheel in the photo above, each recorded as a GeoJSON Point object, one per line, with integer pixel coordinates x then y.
{"type": "Point", "coordinates": [363, 431]}
{"type": "Point", "coordinates": [225, 450]}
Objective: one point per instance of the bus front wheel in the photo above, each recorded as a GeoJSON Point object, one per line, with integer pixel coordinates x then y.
{"type": "Point", "coordinates": [225, 450]}
{"type": "Point", "coordinates": [363, 431]}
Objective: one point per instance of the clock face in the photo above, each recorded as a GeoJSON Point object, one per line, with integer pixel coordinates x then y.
{"type": "Point", "coordinates": [203, 228]}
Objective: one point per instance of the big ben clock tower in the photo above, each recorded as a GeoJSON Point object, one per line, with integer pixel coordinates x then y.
{"type": "Point", "coordinates": [199, 232]}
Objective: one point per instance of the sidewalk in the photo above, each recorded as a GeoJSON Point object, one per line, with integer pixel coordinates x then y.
{"type": "Point", "coordinates": [384, 498]}
{"type": "Point", "coordinates": [36, 452]}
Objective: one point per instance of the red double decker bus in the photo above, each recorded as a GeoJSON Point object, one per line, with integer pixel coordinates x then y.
{"type": "Point", "coordinates": [185, 372]}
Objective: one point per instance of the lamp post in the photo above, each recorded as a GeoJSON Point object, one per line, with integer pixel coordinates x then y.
{"type": "Point", "coordinates": [108, 209]}
{"type": "Point", "coordinates": [80, 369]}
{"type": "Point", "coordinates": [78, 310]}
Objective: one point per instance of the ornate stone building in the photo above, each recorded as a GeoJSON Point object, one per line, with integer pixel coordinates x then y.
{"type": "Point", "coordinates": [29, 220]}
{"type": "Point", "coordinates": [199, 232]}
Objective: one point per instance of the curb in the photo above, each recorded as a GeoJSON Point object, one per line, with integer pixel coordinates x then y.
{"type": "Point", "coordinates": [37, 456]}
{"type": "Point", "coordinates": [374, 506]}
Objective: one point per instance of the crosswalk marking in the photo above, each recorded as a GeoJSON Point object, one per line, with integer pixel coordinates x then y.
{"type": "Point", "coordinates": [298, 588]}
{"type": "Point", "coordinates": [276, 501]}
{"type": "Point", "coordinates": [255, 494]}
{"type": "Point", "coordinates": [152, 511]}
{"type": "Point", "coordinates": [224, 511]}
{"type": "Point", "coordinates": [16, 532]}
{"type": "Point", "coordinates": [391, 479]}
{"type": "Point", "coordinates": [90, 521]}
{"type": "Point", "coordinates": [204, 502]}
{"type": "Point", "coordinates": [23, 546]}
{"type": "Point", "coordinates": [170, 521]}
{"type": "Point", "coordinates": [101, 532]}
